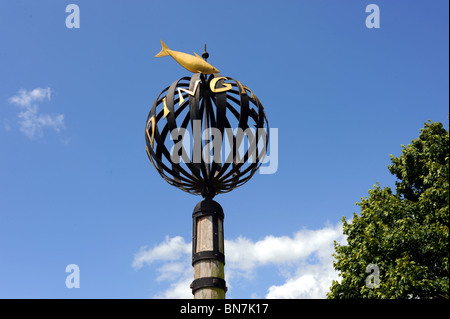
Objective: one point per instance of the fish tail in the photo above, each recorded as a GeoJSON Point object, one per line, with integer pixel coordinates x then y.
{"type": "Point", "coordinates": [164, 51]}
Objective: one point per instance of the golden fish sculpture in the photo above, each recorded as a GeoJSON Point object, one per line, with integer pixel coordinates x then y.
{"type": "Point", "coordinates": [191, 63]}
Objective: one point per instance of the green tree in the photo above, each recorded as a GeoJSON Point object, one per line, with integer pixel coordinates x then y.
{"type": "Point", "coordinates": [404, 234]}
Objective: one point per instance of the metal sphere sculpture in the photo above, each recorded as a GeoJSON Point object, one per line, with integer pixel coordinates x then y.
{"type": "Point", "coordinates": [197, 128]}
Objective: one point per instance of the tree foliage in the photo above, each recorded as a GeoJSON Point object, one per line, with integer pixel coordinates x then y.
{"type": "Point", "coordinates": [405, 234]}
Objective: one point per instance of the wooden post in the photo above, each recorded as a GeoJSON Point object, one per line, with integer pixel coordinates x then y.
{"type": "Point", "coordinates": [208, 256]}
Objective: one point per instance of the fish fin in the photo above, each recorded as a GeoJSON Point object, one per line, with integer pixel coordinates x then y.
{"type": "Point", "coordinates": [164, 51]}
{"type": "Point", "coordinates": [197, 55]}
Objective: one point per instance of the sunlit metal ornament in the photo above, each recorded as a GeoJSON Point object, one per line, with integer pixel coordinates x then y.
{"type": "Point", "coordinates": [214, 102]}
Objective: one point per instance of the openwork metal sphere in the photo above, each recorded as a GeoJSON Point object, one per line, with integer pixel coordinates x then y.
{"type": "Point", "coordinates": [206, 134]}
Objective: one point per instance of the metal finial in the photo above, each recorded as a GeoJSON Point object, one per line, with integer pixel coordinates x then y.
{"type": "Point", "coordinates": [205, 55]}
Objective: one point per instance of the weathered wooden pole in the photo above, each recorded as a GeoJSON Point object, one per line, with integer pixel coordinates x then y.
{"type": "Point", "coordinates": [208, 258]}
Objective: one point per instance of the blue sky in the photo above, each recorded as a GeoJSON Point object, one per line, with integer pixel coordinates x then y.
{"type": "Point", "coordinates": [76, 186]}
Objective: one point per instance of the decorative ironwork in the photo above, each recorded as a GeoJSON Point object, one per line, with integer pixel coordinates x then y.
{"type": "Point", "coordinates": [195, 133]}
{"type": "Point", "coordinates": [212, 114]}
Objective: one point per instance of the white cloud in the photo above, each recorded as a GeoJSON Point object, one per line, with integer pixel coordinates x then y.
{"type": "Point", "coordinates": [175, 255]}
{"type": "Point", "coordinates": [310, 282]}
{"type": "Point", "coordinates": [169, 250]}
{"type": "Point", "coordinates": [177, 290]}
{"type": "Point", "coordinates": [25, 99]}
{"type": "Point", "coordinates": [245, 254]}
{"type": "Point", "coordinates": [307, 254]}
{"type": "Point", "coordinates": [31, 121]}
